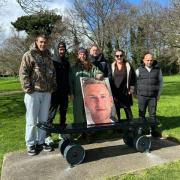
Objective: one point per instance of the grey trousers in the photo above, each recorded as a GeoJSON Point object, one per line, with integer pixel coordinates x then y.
{"type": "Point", "coordinates": [37, 108]}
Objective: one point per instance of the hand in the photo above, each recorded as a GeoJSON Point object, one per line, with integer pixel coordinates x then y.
{"type": "Point", "coordinates": [99, 76]}
{"type": "Point", "coordinates": [131, 92]}
{"type": "Point", "coordinates": [29, 91]}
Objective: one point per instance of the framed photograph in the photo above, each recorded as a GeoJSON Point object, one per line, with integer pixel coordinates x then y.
{"type": "Point", "coordinates": [98, 101]}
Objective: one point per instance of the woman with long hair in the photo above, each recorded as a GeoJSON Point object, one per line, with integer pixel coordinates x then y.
{"type": "Point", "coordinates": [82, 68]}
{"type": "Point", "coordinates": [122, 84]}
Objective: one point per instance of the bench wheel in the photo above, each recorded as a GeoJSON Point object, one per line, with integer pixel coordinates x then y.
{"type": "Point", "coordinates": [63, 144]}
{"type": "Point", "coordinates": [74, 154]}
{"type": "Point", "coordinates": [142, 143]}
{"type": "Point", "coordinates": [128, 139]}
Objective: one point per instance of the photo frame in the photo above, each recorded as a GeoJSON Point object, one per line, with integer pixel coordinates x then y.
{"type": "Point", "coordinates": [98, 101]}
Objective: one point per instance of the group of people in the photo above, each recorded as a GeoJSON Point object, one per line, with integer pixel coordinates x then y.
{"type": "Point", "coordinates": [48, 81]}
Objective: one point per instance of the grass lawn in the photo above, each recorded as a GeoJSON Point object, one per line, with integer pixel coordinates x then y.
{"type": "Point", "coordinates": [12, 124]}
{"type": "Point", "coordinates": [9, 84]}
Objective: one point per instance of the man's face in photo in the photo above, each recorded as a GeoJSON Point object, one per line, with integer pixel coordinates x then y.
{"type": "Point", "coordinates": [99, 102]}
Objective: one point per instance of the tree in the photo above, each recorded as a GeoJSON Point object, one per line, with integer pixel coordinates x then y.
{"type": "Point", "coordinates": [38, 23]}
{"type": "Point", "coordinates": [32, 6]}
{"type": "Point", "coordinates": [11, 54]}
{"type": "Point", "coordinates": [94, 16]}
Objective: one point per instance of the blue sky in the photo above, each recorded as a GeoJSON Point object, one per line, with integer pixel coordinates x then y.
{"type": "Point", "coordinates": [162, 2]}
{"type": "Point", "coordinates": [12, 11]}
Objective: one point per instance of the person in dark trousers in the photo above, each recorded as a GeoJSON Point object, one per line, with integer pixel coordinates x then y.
{"type": "Point", "coordinates": [122, 84]}
{"type": "Point", "coordinates": [149, 88]}
{"type": "Point", "coordinates": [98, 60]}
{"type": "Point", "coordinates": [59, 98]}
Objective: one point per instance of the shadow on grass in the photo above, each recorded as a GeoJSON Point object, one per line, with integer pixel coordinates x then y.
{"type": "Point", "coordinates": [168, 123]}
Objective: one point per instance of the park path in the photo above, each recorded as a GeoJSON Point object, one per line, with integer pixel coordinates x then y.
{"type": "Point", "coordinates": [103, 159]}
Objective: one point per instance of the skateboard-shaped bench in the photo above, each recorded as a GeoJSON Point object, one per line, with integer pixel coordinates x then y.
{"type": "Point", "coordinates": [134, 135]}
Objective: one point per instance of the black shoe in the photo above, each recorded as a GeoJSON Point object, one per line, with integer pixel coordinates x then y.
{"type": "Point", "coordinates": [47, 148]}
{"type": "Point", "coordinates": [44, 147]}
{"type": "Point", "coordinates": [31, 150]}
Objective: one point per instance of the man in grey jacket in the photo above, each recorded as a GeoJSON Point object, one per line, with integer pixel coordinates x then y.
{"type": "Point", "coordinates": [38, 80]}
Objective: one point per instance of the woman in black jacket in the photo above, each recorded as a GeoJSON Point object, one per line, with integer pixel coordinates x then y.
{"type": "Point", "coordinates": [122, 84]}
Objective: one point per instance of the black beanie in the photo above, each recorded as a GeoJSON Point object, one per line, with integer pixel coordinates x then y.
{"type": "Point", "coordinates": [62, 45]}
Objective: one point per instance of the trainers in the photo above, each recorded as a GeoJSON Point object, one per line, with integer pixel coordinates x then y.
{"type": "Point", "coordinates": [60, 137]}
{"type": "Point", "coordinates": [49, 141]}
{"type": "Point", "coordinates": [47, 148]}
{"type": "Point", "coordinates": [31, 150]}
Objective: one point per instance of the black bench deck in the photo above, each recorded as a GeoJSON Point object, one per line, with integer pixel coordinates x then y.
{"type": "Point", "coordinates": [79, 128]}
{"type": "Point", "coordinates": [134, 135]}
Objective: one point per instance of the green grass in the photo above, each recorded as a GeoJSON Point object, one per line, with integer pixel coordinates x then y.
{"type": "Point", "coordinates": [12, 123]}
{"type": "Point", "coordinates": [9, 84]}
{"type": "Point", "coordinates": [161, 172]}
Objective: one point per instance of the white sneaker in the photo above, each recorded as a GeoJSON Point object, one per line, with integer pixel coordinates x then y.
{"type": "Point", "coordinates": [60, 137]}
{"type": "Point", "coordinates": [49, 141]}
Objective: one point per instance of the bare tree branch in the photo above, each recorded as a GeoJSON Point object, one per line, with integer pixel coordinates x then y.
{"type": "Point", "coordinates": [32, 6]}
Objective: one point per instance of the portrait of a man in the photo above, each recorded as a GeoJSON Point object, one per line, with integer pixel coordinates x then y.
{"type": "Point", "coordinates": [98, 101]}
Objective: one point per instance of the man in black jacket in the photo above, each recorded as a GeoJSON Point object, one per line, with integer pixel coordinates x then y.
{"type": "Point", "coordinates": [59, 99]}
{"type": "Point", "coordinates": [99, 61]}
{"type": "Point", "coordinates": [149, 88]}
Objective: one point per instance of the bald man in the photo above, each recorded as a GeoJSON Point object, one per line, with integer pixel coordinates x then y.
{"type": "Point", "coordinates": [149, 87]}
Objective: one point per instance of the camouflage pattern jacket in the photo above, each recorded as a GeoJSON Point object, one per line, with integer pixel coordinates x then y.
{"type": "Point", "coordinates": [37, 71]}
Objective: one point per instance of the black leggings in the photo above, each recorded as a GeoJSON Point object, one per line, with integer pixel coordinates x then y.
{"type": "Point", "coordinates": [128, 112]}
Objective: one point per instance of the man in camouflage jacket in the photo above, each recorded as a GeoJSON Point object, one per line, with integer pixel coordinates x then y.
{"type": "Point", "coordinates": [38, 80]}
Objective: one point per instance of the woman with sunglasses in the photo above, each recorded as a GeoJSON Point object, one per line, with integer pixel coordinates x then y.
{"type": "Point", "coordinates": [122, 84]}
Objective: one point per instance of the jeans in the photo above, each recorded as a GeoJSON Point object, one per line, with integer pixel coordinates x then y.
{"type": "Point", "coordinates": [37, 108]}
{"type": "Point", "coordinates": [147, 102]}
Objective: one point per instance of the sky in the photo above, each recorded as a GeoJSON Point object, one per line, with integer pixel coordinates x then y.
{"type": "Point", "coordinates": [11, 11]}
{"type": "Point", "coordinates": [162, 2]}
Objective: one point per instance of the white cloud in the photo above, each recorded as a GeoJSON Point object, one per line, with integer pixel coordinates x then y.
{"type": "Point", "coordinates": [11, 11]}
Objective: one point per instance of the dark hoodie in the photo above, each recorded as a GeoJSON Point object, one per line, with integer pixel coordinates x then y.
{"type": "Point", "coordinates": [102, 64]}
{"type": "Point", "coordinates": [62, 68]}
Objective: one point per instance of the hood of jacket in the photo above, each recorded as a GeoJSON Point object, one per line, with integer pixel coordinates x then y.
{"type": "Point", "coordinates": [34, 50]}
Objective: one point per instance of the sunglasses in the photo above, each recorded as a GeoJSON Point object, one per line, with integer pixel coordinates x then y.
{"type": "Point", "coordinates": [119, 56]}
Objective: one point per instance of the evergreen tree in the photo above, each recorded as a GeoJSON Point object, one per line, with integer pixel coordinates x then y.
{"type": "Point", "coordinates": [38, 23]}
